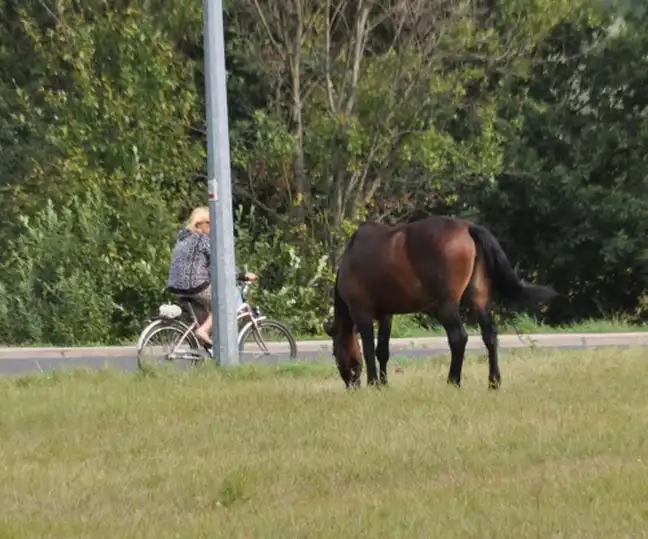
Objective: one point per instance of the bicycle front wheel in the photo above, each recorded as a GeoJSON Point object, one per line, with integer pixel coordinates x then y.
{"type": "Point", "coordinates": [168, 343]}
{"type": "Point", "coordinates": [268, 338]}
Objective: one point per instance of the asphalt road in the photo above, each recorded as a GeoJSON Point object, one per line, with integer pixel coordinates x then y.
{"type": "Point", "coordinates": [25, 365]}
{"type": "Point", "coordinates": [25, 360]}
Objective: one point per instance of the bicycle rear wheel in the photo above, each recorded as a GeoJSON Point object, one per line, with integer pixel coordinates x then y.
{"type": "Point", "coordinates": [267, 338]}
{"type": "Point", "coordinates": [168, 344]}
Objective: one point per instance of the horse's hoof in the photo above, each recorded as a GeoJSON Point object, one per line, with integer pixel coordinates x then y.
{"type": "Point", "coordinates": [454, 383]}
{"type": "Point", "coordinates": [494, 386]}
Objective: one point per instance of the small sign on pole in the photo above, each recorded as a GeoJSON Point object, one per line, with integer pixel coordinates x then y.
{"type": "Point", "coordinates": [213, 189]}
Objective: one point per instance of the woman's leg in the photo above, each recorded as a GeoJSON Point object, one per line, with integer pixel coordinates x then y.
{"type": "Point", "coordinates": [204, 331]}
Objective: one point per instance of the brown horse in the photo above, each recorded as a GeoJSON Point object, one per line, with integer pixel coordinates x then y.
{"type": "Point", "coordinates": [430, 266]}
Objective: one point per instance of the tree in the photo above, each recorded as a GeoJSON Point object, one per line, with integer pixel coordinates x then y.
{"type": "Point", "coordinates": [374, 103]}
{"type": "Point", "coordinates": [577, 217]}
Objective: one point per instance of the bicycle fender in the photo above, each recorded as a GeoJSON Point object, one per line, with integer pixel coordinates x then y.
{"type": "Point", "coordinates": [158, 318]}
{"type": "Point", "coordinates": [245, 328]}
{"type": "Point", "coordinates": [144, 334]}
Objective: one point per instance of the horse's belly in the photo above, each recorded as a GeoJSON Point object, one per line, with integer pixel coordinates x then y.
{"type": "Point", "coordinates": [399, 298]}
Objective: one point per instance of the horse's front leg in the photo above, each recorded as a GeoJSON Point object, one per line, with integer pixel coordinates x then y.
{"type": "Point", "coordinates": [366, 331]}
{"type": "Point", "coordinates": [382, 350]}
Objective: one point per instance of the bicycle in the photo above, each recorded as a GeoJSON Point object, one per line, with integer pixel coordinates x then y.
{"type": "Point", "coordinates": [172, 319]}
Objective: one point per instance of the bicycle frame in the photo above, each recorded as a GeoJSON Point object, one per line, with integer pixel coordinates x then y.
{"type": "Point", "coordinates": [245, 311]}
{"type": "Point", "coordinates": [253, 313]}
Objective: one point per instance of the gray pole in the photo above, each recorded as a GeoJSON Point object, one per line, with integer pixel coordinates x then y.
{"type": "Point", "coordinates": [220, 189]}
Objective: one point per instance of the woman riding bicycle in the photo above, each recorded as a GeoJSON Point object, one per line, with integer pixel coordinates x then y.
{"type": "Point", "coordinates": [189, 271]}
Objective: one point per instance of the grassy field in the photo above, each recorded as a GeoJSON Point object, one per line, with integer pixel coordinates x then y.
{"type": "Point", "coordinates": [561, 451]}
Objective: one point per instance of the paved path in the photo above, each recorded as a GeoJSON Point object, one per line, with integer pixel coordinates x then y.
{"type": "Point", "coordinates": [22, 360]}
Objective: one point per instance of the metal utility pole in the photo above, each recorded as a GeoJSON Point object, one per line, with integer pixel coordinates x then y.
{"type": "Point", "coordinates": [224, 334]}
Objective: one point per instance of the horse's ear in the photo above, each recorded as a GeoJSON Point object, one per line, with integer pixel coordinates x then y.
{"type": "Point", "coordinates": [328, 328]}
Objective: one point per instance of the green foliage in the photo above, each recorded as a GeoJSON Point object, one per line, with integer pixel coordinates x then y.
{"type": "Point", "coordinates": [103, 96]}
{"type": "Point", "coordinates": [294, 271]}
{"type": "Point", "coordinates": [69, 280]}
{"type": "Point", "coordinates": [527, 116]}
{"type": "Point", "coordinates": [578, 193]}
{"type": "Point", "coordinates": [49, 292]}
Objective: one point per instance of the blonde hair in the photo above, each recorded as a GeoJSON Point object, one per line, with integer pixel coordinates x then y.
{"type": "Point", "coordinates": [199, 215]}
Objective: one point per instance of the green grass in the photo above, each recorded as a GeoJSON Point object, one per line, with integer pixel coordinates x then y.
{"type": "Point", "coordinates": [560, 451]}
{"type": "Point", "coordinates": [406, 327]}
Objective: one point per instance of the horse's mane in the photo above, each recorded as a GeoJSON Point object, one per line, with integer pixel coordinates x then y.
{"type": "Point", "coordinates": [353, 237]}
{"type": "Point", "coordinates": [350, 242]}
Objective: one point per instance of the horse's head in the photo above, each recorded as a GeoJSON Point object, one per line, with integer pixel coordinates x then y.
{"type": "Point", "coordinates": [330, 330]}
{"type": "Point", "coordinates": [346, 351]}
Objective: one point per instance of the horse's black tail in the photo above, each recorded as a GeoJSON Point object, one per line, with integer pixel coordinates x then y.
{"type": "Point", "coordinates": [341, 312]}
{"type": "Point", "coordinates": [502, 275]}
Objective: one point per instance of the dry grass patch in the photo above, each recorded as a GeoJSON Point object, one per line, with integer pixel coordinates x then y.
{"type": "Point", "coordinates": [560, 451]}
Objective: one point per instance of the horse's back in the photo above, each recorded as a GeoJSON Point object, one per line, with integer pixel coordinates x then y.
{"type": "Point", "coordinates": [375, 246]}
{"type": "Point", "coordinates": [399, 268]}
{"type": "Point", "coordinates": [443, 254]}
{"type": "Point", "coordinates": [439, 236]}
{"type": "Point", "coordinates": [371, 231]}
{"type": "Point", "coordinates": [370, 243]}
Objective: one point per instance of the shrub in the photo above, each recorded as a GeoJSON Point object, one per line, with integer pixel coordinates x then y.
{"type": "Point", "coordinates": [295, 275]}
{"type": "Point", "coordinates": [84, 273]}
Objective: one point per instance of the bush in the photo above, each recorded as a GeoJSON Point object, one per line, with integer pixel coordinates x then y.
{"type": "Point", "coordinates": [83, 273]}
{"type": "Point", "coordinates": [55, 277]}
{"type": "Point", "coordinates": [295, 275]}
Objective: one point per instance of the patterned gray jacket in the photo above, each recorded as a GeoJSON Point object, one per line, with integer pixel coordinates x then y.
{"type": "Point", "coordinates": [190, 264]}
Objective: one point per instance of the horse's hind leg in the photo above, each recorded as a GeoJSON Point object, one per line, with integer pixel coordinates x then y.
{"type": "Point", "coordinates": [449, 317]}
{"type": "Point", "coordinates": [478, 295]}
{"type": "Point", "coordinates": [489, 336]}
{"type": "Point", "coordinates": [382, 350]}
